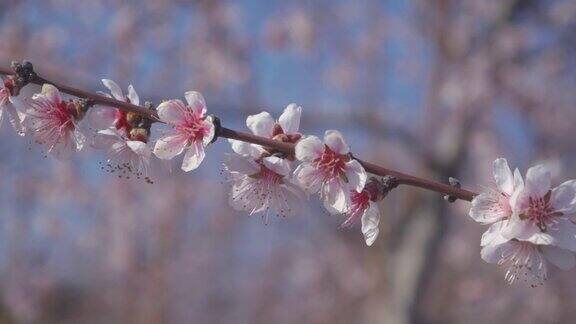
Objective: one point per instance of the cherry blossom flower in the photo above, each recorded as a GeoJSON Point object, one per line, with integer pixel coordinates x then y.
{"type": "Point", "coordinates": [103, 117]}
{"type": "Point", "coordinates": [327, 168]}
{"type": "Point", "coordinates": [10, 105]}
{"type": "Point", "coordinates": [126, 157]}
{"type": "Point", "coordinates": [262, 185]}
{"type": "Point", "coordinates": [263, 124]}
{"type": "Point", "coordinates": [261, 182]}
{"type": "Point", "coordinates": [192, 130]}
{"type": "Point", "coordinates": [54, 122]}
{"type": "Point", "coordinates": [523, 260]}
{"type": "Point", "coordinates": [364, 206]}
{"type": "Point", "coordinates": [541, 214]}
{"type": "Point", "coordinates": [493, 204]}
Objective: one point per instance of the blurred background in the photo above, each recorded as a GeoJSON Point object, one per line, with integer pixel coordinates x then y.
{"type": "Point", "coordinates": [437, 88]}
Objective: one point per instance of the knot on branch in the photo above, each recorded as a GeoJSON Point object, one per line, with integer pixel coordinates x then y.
{"type": "Point", "coordinates": [23, 74]}
{"type": "Point", "coordinates": [217, 127]}
{"type": "Point", "coordinates": [456, 184]}
{"type": "Point", "coordinates": [387, 183]}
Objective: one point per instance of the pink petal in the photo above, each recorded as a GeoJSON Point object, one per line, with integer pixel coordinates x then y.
{"type": "Point", "coordinates": [538, 181]}
{"type": "Point", "coordinates": [356, 175]}
{"type": "Point", "coordinates": [278, 165]}
{"type": "Point", "coordinates": [561, 258]}
{"type": "Point", "coordinates": [196, 102]}
{"type": "Point", "coordinates": [133, 96]}
{"type": "Point", "coordinates": [370, 220]}
{"type": "Point", "coordinates": [51, 93]}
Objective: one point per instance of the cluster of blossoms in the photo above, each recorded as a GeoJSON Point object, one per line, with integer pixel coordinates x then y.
{"type": "Point", "coordinates": [262, 179]}
{"type": "Point", "coordinates": [531, 223]}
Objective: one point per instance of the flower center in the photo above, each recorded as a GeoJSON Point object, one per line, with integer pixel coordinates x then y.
{"type": "Point", "coordinates": [541, 212]}
{"type": "Point", "coordinates": [121, 121]}
{"type": "Point", "coordinates": [64, 115]}
{"type": "Point", "coordinates": [331, 163]}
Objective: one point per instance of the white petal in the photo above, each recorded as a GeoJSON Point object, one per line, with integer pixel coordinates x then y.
{"type": "Point", "coordinates": [168, 147]}
{"type": "Point", "coordinates": [196, 102]}
{"type": "Point", "coordinates": [563, 234]}
{"type": "Point", "coordinates": [14, 118]}
{"type": "Point", "coordinates": [307, 177]}
{"type": "Point", "coordinates": [492, 253]}
{"type": "Point", "coordinates": [290, 118]}
{"type": "Point", "coordinates": [309, 148]}
{"type": "Point", "coordinates": [139, 148]}
{"type": "Point", "coordinates": [564, 197]}
{"type": "Point", "coordinates": [238, 163]}
{"type": "Point", "coordinates": [172, 111]}
{"type": "Point", "coordinates": [101, 117]}
{"type": "Point", "coordinates": [335, 141]}
{"type": "Point", "coordinates": [52, 93]}
{"type": "Point", "coordinates": [193, 157]}
{"type": "Point", "coordinates": [356, 175]}
{"type": "Point", "coordinates": [538, 181]}
{"type": "Point", "coordinates": [519, 229]}
{"type": "Point", "coordinates": [79, 139]}
{"type": "Point", "coordinates": [133, 96]}
{"type": "Point", "coordinates": [370, 221]}
{"type": "Point", "coordinates": [336, 196]}
{"type": "Point", "coordinates": [503, 176]}
{"type": "Point", "coordinates": [493, 235]}
{"type": "Point", "coordinates": [105, 138]}
{"type": "Point", "coordinates": [261, 124]}
{"type": "Point", "coordinates": [115, 89]}
{"type": "Point", "coordinates": [518, 181]}
{"type": "Point", "coordinates": [246, 149]}
{"type": "Point", "coordinates": [278, 165]}
{"type": "Point", "coordinates": [561, 258]}
{"type": "Point", "coordinates": [209, 125]}
{"type": "Point", "coordinates": [486, 208]}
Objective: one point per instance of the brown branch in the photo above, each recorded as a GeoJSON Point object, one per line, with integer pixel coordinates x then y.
{"type": "Point", "coordinates": [287, 148]}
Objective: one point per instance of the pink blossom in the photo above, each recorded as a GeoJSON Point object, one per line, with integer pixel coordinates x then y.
{"type": "Point", "coordinates": [53, 122]}
{"type": "Point", "coordinates": [262, 185]}
{"type": "Point", "coordinates": [524, 260]}
{"type": "Point", "coordinates": [192, 130]}
{"type": "Point", "coordinates": [541, 214]}
{"type": "Point", "coordinates": [102, 117]}
{"type": "Point", "coordinates": [493, 204]}
{"type": "Point", "coordinates": [261, 182]}
{"type": "Point", "coordinates": [126, 157]}
{"type": "Point", "coordinates": [327, 168]}
{"type": "Point", "coordinates": [10, 105]}
{"type": "Point", "coordinates": [364, 206]}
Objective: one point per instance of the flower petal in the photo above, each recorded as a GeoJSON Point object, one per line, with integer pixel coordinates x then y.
{"type": "Point", "coordinates": [492, 253]}
{"type": "Point", "coordinates": [209, 130]}
{"type": "Point", "coordinates": [168, 147]}
{"type": "Point", "coordinates": [101, 117]}
{"type": "Point", "coordinates": [278, 165]}
{"type": "Point", "coordinates": [336, 196]}
{"type": "Point", "coordinates": [261, 124]}
{"type": "Point", "coordinates": [308, 178]}
{"type": "Point", "coordinates": [196, 102]}
{"type": "Point", "coordinates": [172, 111]}
{"type": "Point", "coordinates": [538, 181]}
{"type": "Point", "coordinates": [140, 148]}
{"type": "Point", "coordinates": [290, 119]}
{"type": "Point", "coordinates": [561, 258]}
{"type": "Point", "coordinates": [309, 148]}
{"type": "Point", "coordinates": [370, 221]}
{"type": "Point", "coordinates": [115, 90]}
{"type": "Point", "coordinates": [246, 149]}
{"type": "Point", "coordinates": [240, 164]}
{"type": "Point", "coordinates": [193, 157]}
{"type": "Point", "coordinates": [564, 197]}
{"type": "Point", "coordinates": [487, 208]}
{"type": "Point", "coordinates": [133, 96]}
{"type": "Point", "coordinates": [356, 175]}
{"type": "Point", "coordinates": [503, 176]}
{"type": "Point", "coordinates": [335, 141]}
{"type": "Point", "coordinates": [516, 228]}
